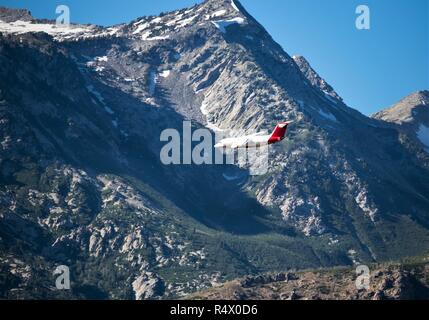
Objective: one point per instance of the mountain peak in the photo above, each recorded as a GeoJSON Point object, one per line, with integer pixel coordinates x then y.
{"type": "Point", "coordinates": [229, 5]}
{"type": "Point", "coordinates": [411, 109]}
{"type": "Point", "coordinates": [11, 15]}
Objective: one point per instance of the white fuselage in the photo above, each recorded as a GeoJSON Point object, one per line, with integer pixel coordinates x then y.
{"type": "Point", "coordinates": [252, 141]}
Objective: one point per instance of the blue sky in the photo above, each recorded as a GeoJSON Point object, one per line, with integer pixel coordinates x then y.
{"type": "Point", "coordinates": [370, 69]}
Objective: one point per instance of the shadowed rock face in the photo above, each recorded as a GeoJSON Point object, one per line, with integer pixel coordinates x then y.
{"type": "Point", "coordinates": [81, 112]}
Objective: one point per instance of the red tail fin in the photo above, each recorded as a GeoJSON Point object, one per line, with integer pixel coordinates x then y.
{"type": "Point", "coordinates": [278, 133]}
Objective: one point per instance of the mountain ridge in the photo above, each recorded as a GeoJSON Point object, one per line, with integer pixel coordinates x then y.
{"type": "Point", "coordinates": [402, 112]}
{"type": "Point", "coordinates": [411, 117]}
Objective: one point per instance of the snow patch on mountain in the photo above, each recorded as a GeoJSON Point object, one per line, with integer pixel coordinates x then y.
{"type": "Point", "coordinates": [95, 64]}
{"type": "Point", "coordinates": [223, 24]}
{"type": "Point", "coordinates": [20, 27]}
{"type": "Point", "coordinates": [185, 22]}
{"type": "Point", "coordinates": [102, 59]}
{"type": "Point", "coordinates": [328, 96]}
{"type": "Point", "coordinates": [165, 73]}
{"type": "Point", "coordinates": [100, 98]}
{"type": "Point", "coordinates": [141, 27]}
{"type": "Point", "coordinates": [203, 109]}
{"type": "Point", "coordinates": [173, 22]}
{"type": "Point", "coordinates": [234, 6]}
{"type": "Point", "coordinates": [59, 32]}
{"type": "Point", "coordinates": [216, 14]}
{"type": "Point", "coordinates": [147, 36]}
{"type": "Point", "coordinates": [112, 30]}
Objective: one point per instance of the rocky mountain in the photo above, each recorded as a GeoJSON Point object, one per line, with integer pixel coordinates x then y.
{"type": "Point", "coordinates": [82, 108]}
{"type": "Point", "coordinates": [7, 15]}
{"type": "Point", "coordinates": [410, 116]}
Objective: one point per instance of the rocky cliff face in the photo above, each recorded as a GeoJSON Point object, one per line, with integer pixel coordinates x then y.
{"type": "Point", "coordinates": [81, 111]}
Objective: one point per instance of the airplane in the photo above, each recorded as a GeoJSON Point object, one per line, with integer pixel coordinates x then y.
{"type": "Point", "coordinates": [255, 140]}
